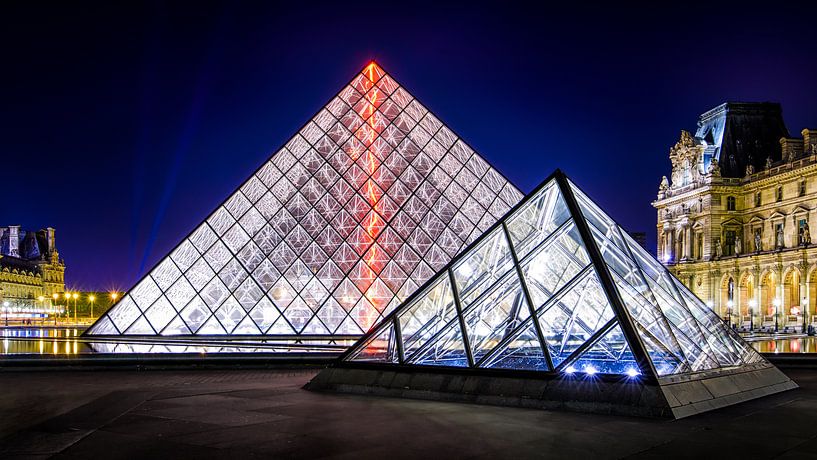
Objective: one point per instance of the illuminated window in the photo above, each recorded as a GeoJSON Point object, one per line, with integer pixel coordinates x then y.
{"type": "Point", "coordinates": [730, 203]}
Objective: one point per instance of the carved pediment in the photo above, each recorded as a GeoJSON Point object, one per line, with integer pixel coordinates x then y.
{"type": "Point", "coordinates": [687, 161]}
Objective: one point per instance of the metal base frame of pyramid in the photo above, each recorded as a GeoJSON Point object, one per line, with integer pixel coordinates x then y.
{"type": "Point", "coordinates": [360, 207]}
{"type": "Point", "coordinates": [555, 306]}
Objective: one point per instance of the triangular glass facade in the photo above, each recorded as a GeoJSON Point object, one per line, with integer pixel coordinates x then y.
{"type": "Point", "coordinates": [358, 209]}
{"type": "Point", "coordinates": [556, 286]}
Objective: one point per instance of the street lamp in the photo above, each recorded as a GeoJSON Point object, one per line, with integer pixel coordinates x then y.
{"type": "Point", "coordinates": [729, 305]}
{"type": "Point", "coordinates": [42, 305]}
{"type": "Point", "coordinates": [67, 304]}
{"type": "Point", "coordinates": [776, 303]}
{"type": "Point", "coordinates": [54, 296]}
{"type": "Point", "coordinates": [75, 296]}
{"type": "Point", "coordinates": [6, 310]}
{"type": "Point", "coordinates": [91, 298]}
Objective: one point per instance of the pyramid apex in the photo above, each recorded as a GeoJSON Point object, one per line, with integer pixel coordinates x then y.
{"type": "Point", "coordinates": [373, 71]}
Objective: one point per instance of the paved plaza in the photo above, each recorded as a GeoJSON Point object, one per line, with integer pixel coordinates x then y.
{"type": "Point", "coordinates": [230, 413]}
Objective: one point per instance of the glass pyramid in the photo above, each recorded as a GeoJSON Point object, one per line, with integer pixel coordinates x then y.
{"type": "Point", "coordinates": [363, 205]}
{"type": "Point", "coordinates": [556, 286]}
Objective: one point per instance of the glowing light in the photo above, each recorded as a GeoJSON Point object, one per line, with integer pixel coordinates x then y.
{"type": "Point", "coordinates": [590, 370]}
{"type": "Point", "coordinates": [570, 370]}
{"type": "Point", "coordinates": [776, 302]}
{"type": "Point", "coordinates": [632, 372]}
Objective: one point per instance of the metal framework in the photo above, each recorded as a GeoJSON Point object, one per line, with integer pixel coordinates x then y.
{"type": "Point", "coordinates": [363, 205]}
{"type": "Point", "coordinates": [555, 287]}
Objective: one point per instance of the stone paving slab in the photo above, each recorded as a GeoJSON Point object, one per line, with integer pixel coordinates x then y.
{"type": "Point", "coordinates": [221, 414]}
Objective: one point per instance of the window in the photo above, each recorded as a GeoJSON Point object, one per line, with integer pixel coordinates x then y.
{"type": "Point", "coordinates": [802, 189]}
{"type": "Point", "coordinates": [779, 193]}
{"type": "Point", "coordinates": [729, 246]}
{"type": "Point", "coordinates": [758, 201]}
{"type": "Point", "coordinates": [700, 253]}
{"type": "Point", "coordinates": [730, 203]}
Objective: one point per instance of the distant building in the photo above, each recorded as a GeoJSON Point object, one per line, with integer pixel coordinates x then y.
{"type": "Point", "coordinates": [733, 219]}
{"type": "Point", "coordinates": [30, 267]}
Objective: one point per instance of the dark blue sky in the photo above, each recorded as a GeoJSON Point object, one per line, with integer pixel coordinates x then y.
{"type": "Point", "coordinates": [124, 125]}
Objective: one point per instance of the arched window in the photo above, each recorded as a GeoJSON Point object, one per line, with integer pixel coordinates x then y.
{"type": "Point", "coordinates": [730, 203]}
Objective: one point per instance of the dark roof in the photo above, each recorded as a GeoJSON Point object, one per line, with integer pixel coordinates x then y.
{"type": "Point", "coordinates": [741, 133]}
{"type": "Point", "coordinates": [11, 263]}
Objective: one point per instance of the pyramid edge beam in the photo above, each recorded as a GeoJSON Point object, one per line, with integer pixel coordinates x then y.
{"type": "Point", "coordinates": [606, 278]}
{"type": "Point", "coordinates": [206, 337]}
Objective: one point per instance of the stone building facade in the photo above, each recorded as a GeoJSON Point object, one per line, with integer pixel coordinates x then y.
{"type": "Point", "coordinates": [734, 218]}
{"type": "Point", "coordinates": [30, 267]}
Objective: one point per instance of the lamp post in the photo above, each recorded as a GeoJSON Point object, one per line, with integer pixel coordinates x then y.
{"type": "Point", "coordinates": [42, 305]}
{"type": "Point", "coordinates": [776, 303]}
{"type": "Point", "coordinates": [6, 310]}
{"type": "Point", "coordinates": [729, 305]}
{"type": "Point", "coordinates": [67, 304]}
{"type": "Point", "coordinates": [54, 296]}
{"type": "Point", "coordinates": [75, 296]}
{"type": "Point", "coordinates": [91, 298]}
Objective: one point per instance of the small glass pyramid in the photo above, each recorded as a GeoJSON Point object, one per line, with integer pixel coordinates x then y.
{"type": "Point", "coordinates": [556, 286]}
{"type": "Point", "coordinates": [358, 209]}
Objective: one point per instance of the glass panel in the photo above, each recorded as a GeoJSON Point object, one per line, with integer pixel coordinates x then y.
{"type": "Point", "coordinates": [482, 266]}
{"type": "Point", "coordinates": [427, 314]}
{"type": "Point", "coordinates": [104, 327]}
{"type": "Point", "coordinates": [569, 321]}
{"type": "Point", "coordinates": [536, 219]}
{"type": "Point", "coordinates": [522, 351]}
{"type": "Point", "coordinates": [554, 263]}
{"type": "Point", "coordinates": [496, 315]}
{"type": "Point", "coordinates": [124, 313]}
{"type": "Point", "coordinates": [140, 327]}
{"type": "Point", "coordinates": [446, 349]}
{"type": "Point", "coordinates": [160, 313]}
{"type": "Point", "coordinates": [653, 328]}
{"type": "Point", "coordinates": [610, 354]}
{"type": "Point", "coordinates": [381, 347]}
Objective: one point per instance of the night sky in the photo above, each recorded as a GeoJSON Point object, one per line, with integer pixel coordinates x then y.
{"type": "Point", "coordinates": [124, 124]}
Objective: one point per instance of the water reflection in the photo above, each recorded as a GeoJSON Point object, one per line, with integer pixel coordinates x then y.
{"type": "Point", "coordinates": [67, 342]}
{"type": "Point", "coordinates": [803, 344]}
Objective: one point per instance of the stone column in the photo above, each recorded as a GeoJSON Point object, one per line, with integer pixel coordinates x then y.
{"type": "Point", "coordinates": [779, 297]}
{"type": "Point", "coordinates": [688, 241]}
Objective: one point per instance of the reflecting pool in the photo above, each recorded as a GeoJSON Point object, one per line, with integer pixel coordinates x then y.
{"type": "Point", "coordinates": [59, 341]}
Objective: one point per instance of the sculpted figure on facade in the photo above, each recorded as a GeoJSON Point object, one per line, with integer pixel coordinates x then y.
{"type": "Point", "coordinates": [758, 241]}
{"type": "Point", "coordinates": [780, 243]}
{"type": "Point", "coordinates": [738, 244]}
{"type": "Point", "coordinates": [806, 238]}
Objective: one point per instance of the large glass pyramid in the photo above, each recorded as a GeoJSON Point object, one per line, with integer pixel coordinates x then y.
{"type": "Point", "coordinates": [363, 205]}
{"type": "Point", "coordinates": [557, 287]}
